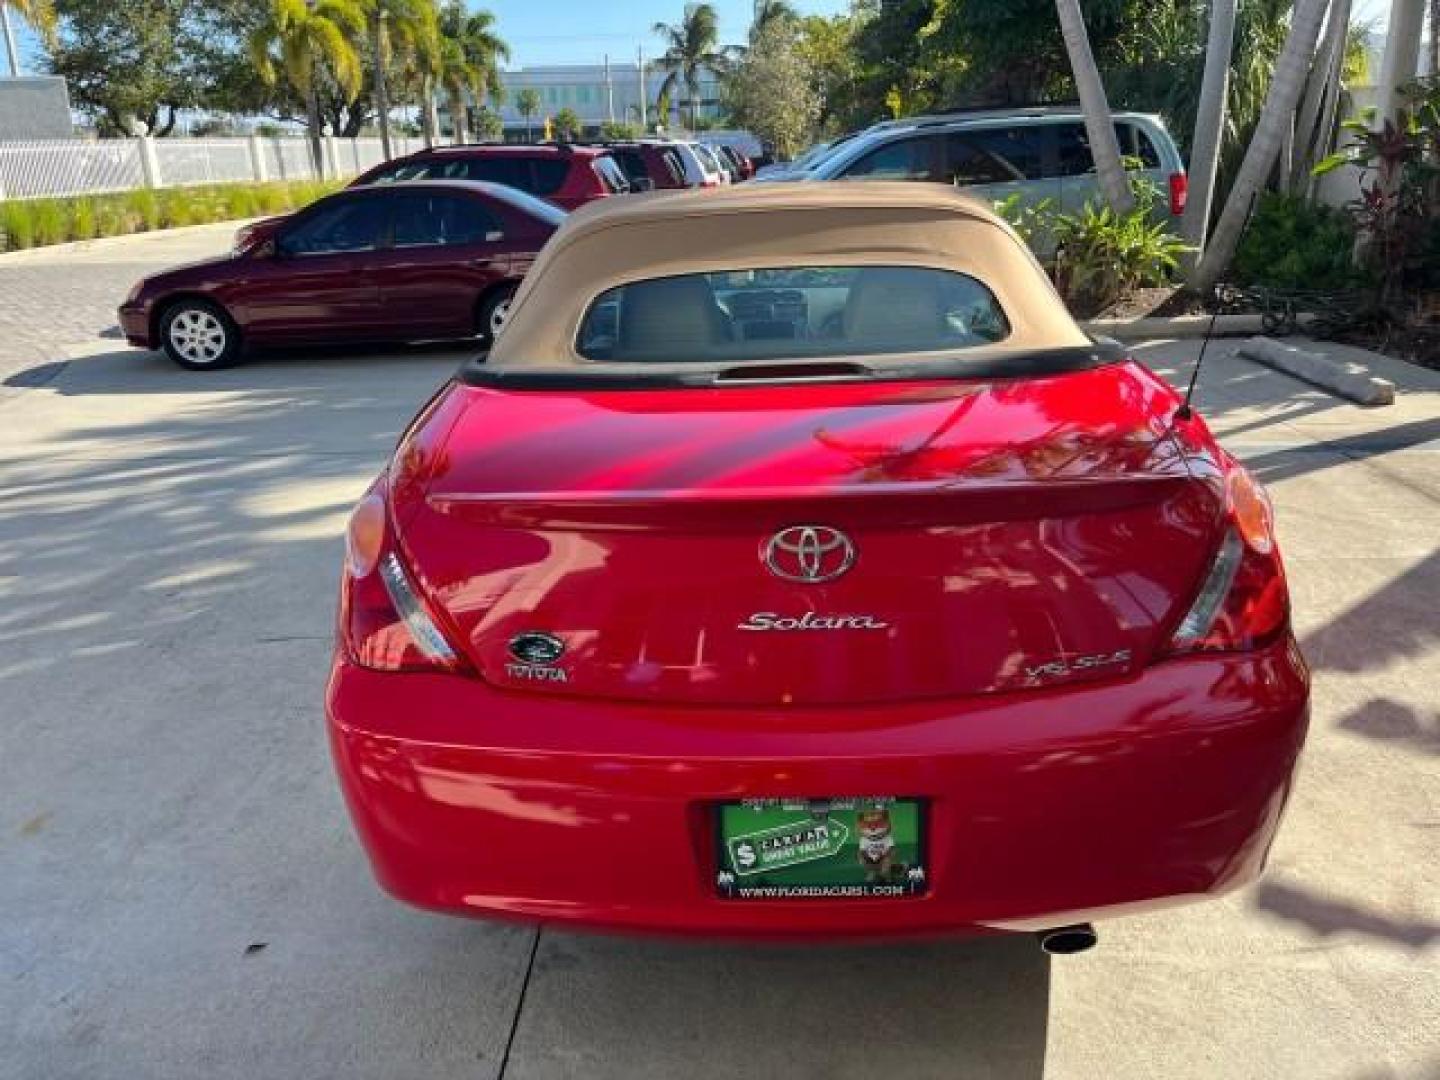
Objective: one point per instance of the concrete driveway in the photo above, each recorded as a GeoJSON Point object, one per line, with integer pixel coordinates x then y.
{"type": "Point", "coordinates": [182, 896]}
{"type": "Point", "coordinates": [56, 296]}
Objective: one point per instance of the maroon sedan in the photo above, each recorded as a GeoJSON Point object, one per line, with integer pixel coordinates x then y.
{"type": "Point", "coordinates": [568, 176]}
{"type": "Point", "coordinates": [425, 260]}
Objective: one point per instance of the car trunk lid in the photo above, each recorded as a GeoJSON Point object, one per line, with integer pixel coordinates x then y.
{"type": "Point", "coordinates": [686, 545]}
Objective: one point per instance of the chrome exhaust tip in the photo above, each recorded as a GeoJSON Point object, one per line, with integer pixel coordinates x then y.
{"type": "Point", "coordinates": [1068, 940]}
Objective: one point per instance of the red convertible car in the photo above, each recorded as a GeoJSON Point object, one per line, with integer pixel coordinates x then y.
{"type": "Point", "coordinates": [425, 260]}
{"type": "Point", "coordinates": [794, 566]}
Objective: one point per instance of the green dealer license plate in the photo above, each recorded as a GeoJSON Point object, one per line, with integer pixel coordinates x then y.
{"type": "Point", "coordinates": [780, 849]}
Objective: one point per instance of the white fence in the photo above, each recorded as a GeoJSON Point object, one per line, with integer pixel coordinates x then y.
{"type": "Point", "coordinates": [55, 167]}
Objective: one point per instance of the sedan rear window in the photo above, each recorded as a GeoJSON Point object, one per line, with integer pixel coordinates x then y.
{"type": "Point", "coordinates": [792, 312]}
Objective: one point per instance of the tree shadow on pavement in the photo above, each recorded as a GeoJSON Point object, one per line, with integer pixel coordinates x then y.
{"type": "Point", "coordinates": [1284, 464]}
{"type": "Point", "coordinates": [1394, 722]}
{"type": "Point", "coordinates": [1396, 621]}
{"type": "Point", "coordinates": [127, 370]}
{"type": "Point", "coordinates": [168, 569]}
{"type": "Point", "coordinates": [1325, 918]}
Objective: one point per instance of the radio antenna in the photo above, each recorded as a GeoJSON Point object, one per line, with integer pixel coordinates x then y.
{"type": "Point", "coordinates": [1185, 412]}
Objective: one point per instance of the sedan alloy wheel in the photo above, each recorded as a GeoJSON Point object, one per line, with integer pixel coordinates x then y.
{"type": "Point", "coordinates": [198, 335]}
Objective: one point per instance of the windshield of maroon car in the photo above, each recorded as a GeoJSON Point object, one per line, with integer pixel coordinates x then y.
{"type": "Point", "coordinates": [791, 312]}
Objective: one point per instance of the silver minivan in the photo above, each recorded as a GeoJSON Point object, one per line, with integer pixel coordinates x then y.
{"type": "Point", "coordinates": [1040, 153]}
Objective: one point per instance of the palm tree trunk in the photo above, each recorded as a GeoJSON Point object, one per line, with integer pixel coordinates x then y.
{"type": "Point", "coordinates": [693, 85]}
{"type": "Point", "coordinates": [1105, 148]}
{"type": "Point", "coordinates": [1209, 125]}
{"type": "Point", "coordinates": [382, 88]}
{"type": "Point", "coordinates": [428, 126]}
{"type": "Point", "coordinates": [457, 118]}
{"type": "Point", "coordinates": [1329, 62]}
{"type": "Point", "coordinates": [1434, 38]}
{"type": "Point", "coordinates": [1328, 129]}
{"type": "Point", "coordinates": [10, 52]}
{"type": "Point", "coordinates": [1275, 117]}
{"type": "Point", "coordinates": [312, 118]}
{"type": "Point", "coordinates": [1283, 172]}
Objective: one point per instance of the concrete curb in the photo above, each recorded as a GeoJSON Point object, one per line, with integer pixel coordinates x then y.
{"type": "Point", "coordinates": [1180, 326]}
{"type": "Point", "coordinates": [1348, 380]}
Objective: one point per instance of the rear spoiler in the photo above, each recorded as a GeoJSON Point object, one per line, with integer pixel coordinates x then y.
{"type": "Point", "coordinates": [1012, 365]}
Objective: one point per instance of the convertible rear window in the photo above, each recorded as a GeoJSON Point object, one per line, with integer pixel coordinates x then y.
{"type": "Point", "coordinates": [792, 312]}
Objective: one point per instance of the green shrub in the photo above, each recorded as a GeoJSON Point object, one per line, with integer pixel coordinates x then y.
{"type": "Point", "coordinates": [52, 224]}
{"type": "Point", "coordinates": [1100, 255]}
{"type": "Point", "coordinates": [240, 202]}
{"type": "Point", "coordinates": [1029, 220]}
{"type": "Point", "coordinates": [30, 222]}
{"type": "Point", "coordinates": [83, 221]}
{"type": "Point", "coordinates": [143, 207]}
{"type": "Point", "coordinates": [269, 200]}
{"type": "Point", "coordinates": [17, 224]}
{"type": "Point", "coordinates": [111, 218]}
{"type": "Point", "coordinates": [1292, 243]}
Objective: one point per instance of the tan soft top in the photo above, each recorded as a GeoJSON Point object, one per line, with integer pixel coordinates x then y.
{"type": "Point", "coordinates": [752, 226]}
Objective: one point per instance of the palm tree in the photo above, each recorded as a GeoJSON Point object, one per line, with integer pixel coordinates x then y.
{"type": "Point", "coordinates": [1104, 146]}
{"type": "Point", "coordinates": [310, 35]}
{"type": "Point", "coordinates": [527, 102]}
{"type": "Point", "coordinates": [692, 45]}
{"type": "Point", "coordinates": [767, 11]}
{"type": "Point", "coordinates": [567, 125]}
{"type": "Point", "coordinates": [396, 26]}
{"type": "Point", "coordinates": [1209, 123]}
{"type": "Point", "coordinates": [1275, 119]}
{"type": "Point", "coordinates": [469, 60]}
{"type": "Point", "coordinates": [1312, 137]}
{"type": "Point", "coordinates": [39, 15]}
{"type": "Point", "coordinates": [424, 68]}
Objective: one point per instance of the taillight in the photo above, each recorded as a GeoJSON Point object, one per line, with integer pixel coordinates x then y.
{"type": "Point", "coordinates": [1243, 601]}
{"type": "Point", "coordinates": [1179, 192]}
{"type": "Point", "coordinates": [384, 622]}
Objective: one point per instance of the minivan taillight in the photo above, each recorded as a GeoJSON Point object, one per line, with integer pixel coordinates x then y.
{"type": "Point", "coordinates": [385, 625]}
{"type": "Point", "coordinates": [1243, 601]}
{"type": "Point", "coordinates": [1179, 193]}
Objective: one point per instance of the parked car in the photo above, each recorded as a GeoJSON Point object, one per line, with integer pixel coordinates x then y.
{"type": "Point", "coordinates": [568, 176]}
{"type": "Point", "coordinates": [420, 260]}
{"type": "Point", "coordinates": [778, 170]}
{"type": "Point", "coordinates": [649, 165]}
{"type": "Point", "coordinates": [1040, 153]}
{"type": "Point", "coordinates": [701, 170]}
{"type": "Point", "coordinates": [795, 566]}
{"type": "Point", "coordinates": [740, 167]}
{"type": "Point", "coordinates": [713, 156]}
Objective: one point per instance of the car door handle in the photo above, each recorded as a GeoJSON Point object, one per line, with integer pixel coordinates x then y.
{"type": "Point", "coordinates": [482, 261]}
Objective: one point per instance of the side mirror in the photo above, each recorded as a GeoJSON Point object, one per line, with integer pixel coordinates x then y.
{"type": "Point", "coordinates": [268, 249]}
{"type": "Point", "coordinates": [494, 236]}
{"type": "Point", "coordinates": [642, 183]}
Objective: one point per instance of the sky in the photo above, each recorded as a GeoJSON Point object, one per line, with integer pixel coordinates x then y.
{"type": "Point", "coordinates": [583, 31]}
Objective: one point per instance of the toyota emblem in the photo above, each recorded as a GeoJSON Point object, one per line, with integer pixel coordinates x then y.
{"type": "Point", "coordinates": [809, 554]}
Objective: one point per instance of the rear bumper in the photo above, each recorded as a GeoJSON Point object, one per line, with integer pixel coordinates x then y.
{"type": "Point", "coordinates": [1045, 808]}
{"type": "Point", "coordinates": [134, 321]}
